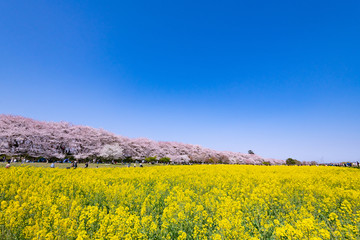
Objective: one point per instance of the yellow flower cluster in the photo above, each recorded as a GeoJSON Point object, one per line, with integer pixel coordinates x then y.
{"type": "Point", "coordinates": [180, 202]}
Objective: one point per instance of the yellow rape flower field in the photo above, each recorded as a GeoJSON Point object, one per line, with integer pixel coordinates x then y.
{"type": "Point", "coordinates": [180, 202]}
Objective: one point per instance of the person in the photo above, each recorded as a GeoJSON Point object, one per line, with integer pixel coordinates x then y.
{"type": "Point", "coordinates": [141, 165]}
{"type": "Point", "coordinates": [52, 165]}
{"type": "Point", "coordinates": [75, 164]}
{"type": "Point", "coordinates": [134, 164]}
{"type": "Point", "coordinates": [86, 165]}
{"type": "Point", "coordinates": [7, 165]}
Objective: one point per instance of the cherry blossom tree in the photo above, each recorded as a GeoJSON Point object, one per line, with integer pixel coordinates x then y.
{"type": "Point", "coordinates": [20, 136]}
{"type": "Point", "coordinates": [111, 152]}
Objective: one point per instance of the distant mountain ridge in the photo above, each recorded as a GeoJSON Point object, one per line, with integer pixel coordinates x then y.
{"type": "Point", "coordinates": [25, 136]}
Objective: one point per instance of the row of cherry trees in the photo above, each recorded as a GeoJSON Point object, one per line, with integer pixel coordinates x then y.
{"type": "Point", "coordinates": [24, 136]}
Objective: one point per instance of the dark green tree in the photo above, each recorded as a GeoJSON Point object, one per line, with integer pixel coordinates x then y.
{"type": "Point", "coordinates": [292, 161]}
{"type": "Point", "coordinates": [164, 160]}
{"type": "Point", "coordinates": [150, 159]}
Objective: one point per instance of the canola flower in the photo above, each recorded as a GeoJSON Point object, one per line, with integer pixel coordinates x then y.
{"type": "Point", "coordinates": [180, 202]}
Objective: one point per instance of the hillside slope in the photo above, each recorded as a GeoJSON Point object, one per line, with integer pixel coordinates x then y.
{"type": "Point", "coordinates": [25, 136]}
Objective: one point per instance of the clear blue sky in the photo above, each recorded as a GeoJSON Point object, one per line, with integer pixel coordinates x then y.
{"type": "Point", "coordinates": [279, 77]}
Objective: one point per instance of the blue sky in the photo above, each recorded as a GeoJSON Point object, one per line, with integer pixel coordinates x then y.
{"type": "Point", "coordinates": [279, 77]}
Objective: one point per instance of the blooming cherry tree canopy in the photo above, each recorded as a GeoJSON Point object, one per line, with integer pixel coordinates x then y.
{"type": "Point", "coordinates": [25, 136]}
